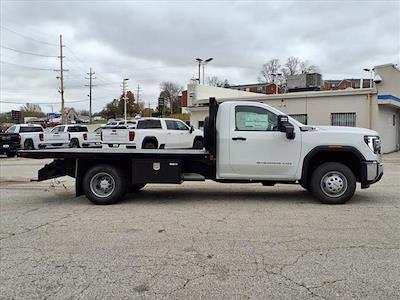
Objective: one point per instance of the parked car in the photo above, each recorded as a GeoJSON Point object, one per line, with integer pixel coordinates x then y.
{"type": "Point", "coordinates": [33, 136]}
{"type": "Point", "coordinates": [79, 135]}
{"type": "Point", "coordinates": [153, 133]}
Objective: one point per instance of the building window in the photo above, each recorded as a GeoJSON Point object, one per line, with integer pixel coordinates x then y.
{"type": "Point", "coordinates": [302, 118]}
{"type": "Point", "coordinates": [343, 119]}
{"type": "Point", "coordinates": [201, 125]}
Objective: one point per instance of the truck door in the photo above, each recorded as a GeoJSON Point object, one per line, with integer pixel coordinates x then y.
{"type": "Point", "coordinates": [56, 135]}
{"type": "Point", "coordinates": [178, 134]}
{"type": "Point", "coordinates": [257, 149]}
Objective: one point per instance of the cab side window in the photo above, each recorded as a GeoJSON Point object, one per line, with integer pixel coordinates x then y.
{"type": "Point", "coordinates": [253, 118]}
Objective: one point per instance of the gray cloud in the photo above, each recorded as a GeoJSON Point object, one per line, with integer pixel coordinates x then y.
{"type": "Point", "coordinates": [154, 41]}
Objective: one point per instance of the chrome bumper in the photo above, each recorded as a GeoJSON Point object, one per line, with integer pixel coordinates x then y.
{"type": "Point", "coordinates": [372, 171]}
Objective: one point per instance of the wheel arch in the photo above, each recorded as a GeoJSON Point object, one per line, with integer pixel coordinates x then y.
{"type": "Point", "coordinates": [347, 155]}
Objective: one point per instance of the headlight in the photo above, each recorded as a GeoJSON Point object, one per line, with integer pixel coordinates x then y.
{"type": "Point", "coordinates": [373, 142]}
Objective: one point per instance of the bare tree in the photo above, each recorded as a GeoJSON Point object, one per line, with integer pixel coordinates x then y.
{"type": "Point", "coordinates": [170, 92]}
{"type": "Point", "coordinates": [273, 66]}
{"type": "Point", "coordinates": [292, 66]}
{"type": "Point", "coordinates": [215, 81]}
{"type": "Point", "coordinates": [307, 67]}
{"type": "Point", "coordinates": [32, 110]}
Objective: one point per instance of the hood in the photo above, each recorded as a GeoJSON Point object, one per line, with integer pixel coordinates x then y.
{"type": "Point", "coordinates": [357, 130]}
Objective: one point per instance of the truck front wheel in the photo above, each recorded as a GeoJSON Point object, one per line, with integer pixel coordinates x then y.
{"type": "Point", "coordinates": [333, 183]}
{"type": "Point", "coordinates": [104, 184]}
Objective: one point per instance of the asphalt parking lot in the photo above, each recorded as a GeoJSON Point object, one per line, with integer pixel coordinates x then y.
{"type": "Point", "coordinates": [197, 241]}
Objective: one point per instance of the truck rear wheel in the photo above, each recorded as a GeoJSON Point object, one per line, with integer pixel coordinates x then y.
{"type": "Point", "coordinates": [333, 183]}
{"type": "Point", "coordinates": [28, 145]}
{"type": "Point", "coordinates": [74, 143]}
{"type": "Point", "coordinates": [149, 145]}
{"type": "Point", "coordinates": [104, 184]}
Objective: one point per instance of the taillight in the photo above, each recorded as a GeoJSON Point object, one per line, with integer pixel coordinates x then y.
{"type": "Point", "coordinates": [131, 135]}
{"type": "Point", "coordinates": [85, 136]}
{"type": "Point", "coordinates": [41, 137]}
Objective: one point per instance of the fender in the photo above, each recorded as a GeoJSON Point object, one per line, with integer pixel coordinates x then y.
{"type": "Point", "coordinates": [313, 152]}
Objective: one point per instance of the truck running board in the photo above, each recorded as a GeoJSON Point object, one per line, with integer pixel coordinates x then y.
{"type": "Point", "coordinates": [193, 177]}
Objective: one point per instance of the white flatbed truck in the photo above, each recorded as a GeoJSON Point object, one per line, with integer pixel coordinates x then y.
{"type": "Point", "coordinates": [245, 142]}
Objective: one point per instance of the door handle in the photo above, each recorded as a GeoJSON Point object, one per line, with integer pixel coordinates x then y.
{"type": "Point", "coordinates": [239, 138]}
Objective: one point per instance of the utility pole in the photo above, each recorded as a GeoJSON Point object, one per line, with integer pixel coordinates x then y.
{"type": "Point", "coordinates": [138, 93]}
{"type": "Point", "coordinates": [124, 86]}
{"type": "Point", "coordinates": [62, 81]}
{"type": "Point", "coordinates": [90, 92]}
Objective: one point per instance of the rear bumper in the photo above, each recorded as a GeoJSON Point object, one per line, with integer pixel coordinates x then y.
{"type": "Point", "coordinates": [5, 148]}
{"type": "Point", "coordinates": [371, 172]}
{"type": "Point", "coordinates": [91, 144]}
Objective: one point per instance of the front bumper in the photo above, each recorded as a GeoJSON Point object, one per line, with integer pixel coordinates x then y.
{"type": "Point", "coordinates": [371, 172]}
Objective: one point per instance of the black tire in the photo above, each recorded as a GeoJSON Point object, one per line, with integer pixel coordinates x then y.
{"type": "Point", "coordinates": [28, 145]}
{"type": "Point", "coordinates": [136, 187]}
{"type": "Point", "coordinates": [149, 145]}
{"type": "Point", "coordinates": [198, 144]}
{"type": "Point", "coordinates": [93, 176]}
{"type": "Point", "coordinates": [10, 154]}
{"type": "Point", "coordinates": [304, 185]}
{"type": "Point", "coordinates": [74, 144]}
{"type": "Point", "coordinates": [333, 183]}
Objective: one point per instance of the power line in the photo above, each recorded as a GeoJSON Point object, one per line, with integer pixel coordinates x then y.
{"type": "Point", "coordinates": [26, 52]}
{"type": "Point", "coordinates": [27, 37]}
{"type": "Point", "coordinates": [67, 102]}
{"type": "Point", "coordinates": [24, 66]}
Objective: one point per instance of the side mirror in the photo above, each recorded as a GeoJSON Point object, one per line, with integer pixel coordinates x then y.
{"type": "Point", "coordinates": [191, 129]}
{"type": "Point", "coordinates": [285, 126]}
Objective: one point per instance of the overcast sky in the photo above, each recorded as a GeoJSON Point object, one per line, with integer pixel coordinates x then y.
{"type": "Point", "coordinates": [154, 41]}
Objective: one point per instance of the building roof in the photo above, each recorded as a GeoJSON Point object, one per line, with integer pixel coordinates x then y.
{"type": "Point", "coordinates": [308, 94]}
{"type": "Point", "coordinates": [250, 85]}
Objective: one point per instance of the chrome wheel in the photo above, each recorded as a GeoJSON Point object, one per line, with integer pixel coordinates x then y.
{"type": "Point", "coordinates": [102, 185]}
{"type": "Point", "coordinates": [333, 184]}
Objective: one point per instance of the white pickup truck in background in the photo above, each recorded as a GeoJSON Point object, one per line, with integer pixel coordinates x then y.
{"type": "Point", "coordinates": [34, 137]}
{"type": "Point", "coordinates": [79, 135]}
{"type": "Point", "coordinates": [154, 133]}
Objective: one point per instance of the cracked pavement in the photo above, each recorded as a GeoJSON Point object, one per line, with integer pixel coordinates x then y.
{"type": "Point", "coordinates": [197, 241]}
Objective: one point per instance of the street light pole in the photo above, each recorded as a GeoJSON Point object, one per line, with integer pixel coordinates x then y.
{"type": "Point", "coordinates": [199, 60]}
{"type": "Point", "coordinates": [204, 63]}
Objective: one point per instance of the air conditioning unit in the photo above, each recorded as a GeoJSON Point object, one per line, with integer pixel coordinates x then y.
{"type": "Point", "coordinates": [304, 82]}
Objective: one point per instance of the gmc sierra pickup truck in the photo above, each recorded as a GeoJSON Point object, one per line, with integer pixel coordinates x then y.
{"type": "Point", "coordinates": [32, 136]}
{"type": "Point", "coordinates": [79, 135]}
{"type": "Point", "coordinates": [153, 133]}
{"type": "Point", "coordinates": [245, 142]}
